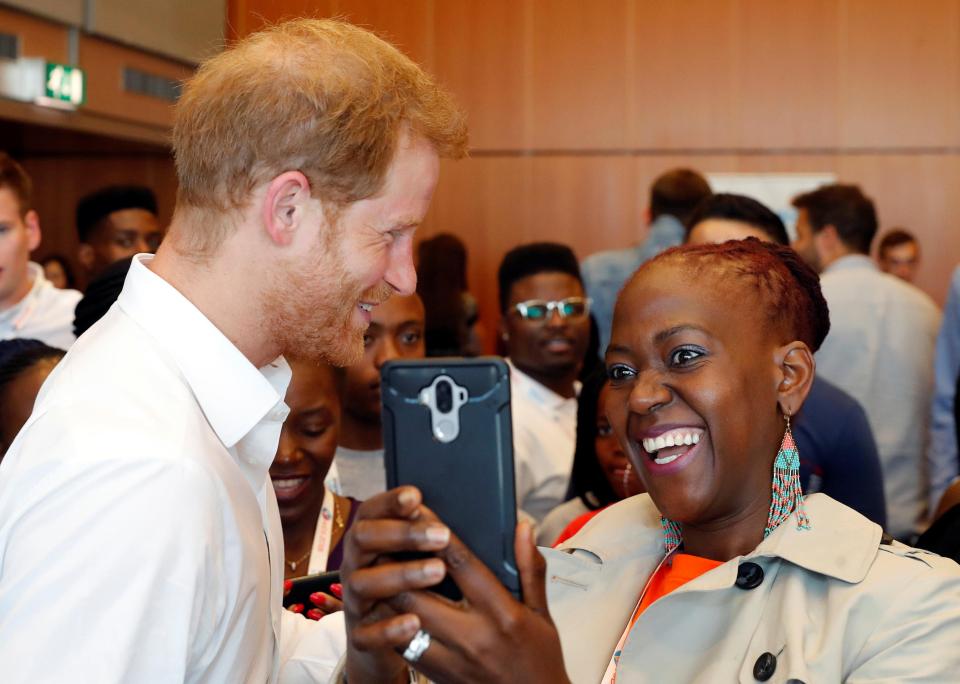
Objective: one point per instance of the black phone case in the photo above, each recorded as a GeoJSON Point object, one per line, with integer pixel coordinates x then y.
{"type": "Point", "coordinates": [309, 584]}
{"type": "Point", "coordinates": [468, 482]}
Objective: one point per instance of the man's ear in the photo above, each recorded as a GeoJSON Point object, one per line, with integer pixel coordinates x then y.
{"type": "Point", "coordinates": [284, 205]}
{"type": "Point", "coordinates": [86, 256]}
{"type": "Point", "coordinates": [797, 369]}
{"type": "Point", "coordinates": [32, 222]}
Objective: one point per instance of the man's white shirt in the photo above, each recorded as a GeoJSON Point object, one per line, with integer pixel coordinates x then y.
{"type": "Point", "coordinates": [45, 314]}
{"type": "Point", "coordinates": [544, 439]}
{"type": "Point", "coordinates": [140, 538]}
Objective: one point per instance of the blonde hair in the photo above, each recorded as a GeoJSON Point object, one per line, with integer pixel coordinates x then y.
{"type": "Point", "coordinates": [320, 96]}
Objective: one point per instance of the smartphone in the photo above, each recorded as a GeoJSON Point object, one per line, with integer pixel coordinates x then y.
{"type": "Point", "coordinates": [447, 431]}
{"type": "Point", "coordinates": [309, 584]}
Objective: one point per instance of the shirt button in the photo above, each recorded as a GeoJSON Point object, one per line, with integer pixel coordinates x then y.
{"type": "Point", "coordinates": [749, 576]}
{"type": "Point", "coordinates": [765, 666]}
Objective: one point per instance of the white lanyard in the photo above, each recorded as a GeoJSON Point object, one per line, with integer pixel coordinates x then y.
{"type": "Point", "coordinates": [320, 551]}
{"type": "Point", "coordinates": [610, 676]}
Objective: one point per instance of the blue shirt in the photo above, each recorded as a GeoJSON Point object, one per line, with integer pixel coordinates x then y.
{"type": "Point", "coordinates": [605, 273]}
{"type": "Point", "coordinates": [838, 455]}
{"type": "Point", "coordinates": [942, 454]}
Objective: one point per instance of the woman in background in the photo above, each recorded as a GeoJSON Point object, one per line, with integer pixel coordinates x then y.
{"type": "Point", "coordinates": [314, 519]}
{"type": "Point", "coordinates": [452, 327]}
{"type": "Point", "coordinates": [57, 271]}
{"type": "Point", "coordinates": [602, 474]}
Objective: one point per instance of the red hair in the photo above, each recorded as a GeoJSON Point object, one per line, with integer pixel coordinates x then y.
{"type": "Point", "coordinates": [786, 286]}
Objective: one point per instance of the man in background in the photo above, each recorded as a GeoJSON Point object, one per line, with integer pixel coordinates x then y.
{"type": "Point", "coordinates": [396, 332]}
{"type": "Point", "coordinates": [115, 223]}
{"type": "Point", "coordinates": [673, 196]}
{"type": "Point", "coordinates": [545, 326]}
{"type": "Point", "coordinates": [899, 254]}
{"type": "Point", "coordinates": [30, 306]}
{"type": "Point", "coordinates": [942, 461]}
{"type": "Point", "coordinates": [881, 344]}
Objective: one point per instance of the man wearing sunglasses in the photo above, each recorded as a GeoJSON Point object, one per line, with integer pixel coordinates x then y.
{"type": "Point", "coordinates": [545, 327]}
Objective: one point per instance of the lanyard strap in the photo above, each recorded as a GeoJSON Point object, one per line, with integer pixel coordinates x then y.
{"type": "Point", "coordinates": [323, 536]}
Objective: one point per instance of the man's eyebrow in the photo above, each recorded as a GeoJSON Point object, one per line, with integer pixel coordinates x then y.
{"type": "Point", "coordinates": [664, 335]}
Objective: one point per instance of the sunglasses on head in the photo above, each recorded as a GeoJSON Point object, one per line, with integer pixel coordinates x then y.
{"type": "Point", "coordinates": [540, 310]}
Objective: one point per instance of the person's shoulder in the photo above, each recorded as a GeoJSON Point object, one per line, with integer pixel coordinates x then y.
{"type": "Point", "coordinates": [599, 264]}
{"type": "Point", "coordinates": [620, 528]}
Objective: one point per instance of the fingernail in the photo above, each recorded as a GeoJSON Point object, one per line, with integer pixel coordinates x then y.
{"type": "Point", "coordinates": [296, 608]}
{"type": "Point", "coordinates": [337, 590]}
{"type": "Point", "coordinates": [407, 497]}
{"type": "Point", "coordinates": [433, 569]}
{"type": "Point", "coordinates": [315, 614]}
{"type": "Point", "coordinates": [437, 534]}
{"type": "Point", "coordinates": [287, 585]}
{"type": "Point", "coordinates": [406, 625]}
{"type": "Point", "coordinates": [317, 597]}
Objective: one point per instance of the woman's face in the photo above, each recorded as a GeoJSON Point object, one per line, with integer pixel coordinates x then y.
{"type": "Point", "coordinates": [613, 461]}
{"type": "Point", "coordinates": [694, 390]}
{"type": "Point", "coordinates": [308, 440]}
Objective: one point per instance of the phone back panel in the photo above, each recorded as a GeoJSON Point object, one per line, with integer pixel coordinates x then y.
{"type": "Point", "coordinates": [469, 480]}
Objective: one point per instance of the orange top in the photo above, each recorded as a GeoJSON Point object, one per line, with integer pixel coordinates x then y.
{"type": "Point", "coordinates": [673, 574]}
{"type": "Point", "coordinates": [575, 526]}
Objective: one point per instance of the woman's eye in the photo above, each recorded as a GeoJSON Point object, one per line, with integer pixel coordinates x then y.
{"type": "Point", "coordinates": [684, 356]}
{"type": "Point", "coordinates": [604, 430]}
{"type": "Point", "coordinates": [314, 432]}
{"type": "Point", "coordinates": [619, 373]}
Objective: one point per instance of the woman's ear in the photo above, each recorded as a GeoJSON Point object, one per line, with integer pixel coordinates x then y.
{"type": "Point", "coordinates": [797, 369]}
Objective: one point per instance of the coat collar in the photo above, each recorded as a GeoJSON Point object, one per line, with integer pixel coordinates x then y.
{"type": "Point", "coordinates": [841, 543]}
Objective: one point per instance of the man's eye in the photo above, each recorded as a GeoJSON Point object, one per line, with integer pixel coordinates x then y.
{"type": "Point", "coordinates": [620, 372]}
{"type": "Point", "coordinates": [684, 356]}
{"type": "Point", "coordinates": [124, 241]}
{"type": "Point", "coordinates": [410, 338]}
{"type": "Point", "coordinates": [367, 341]}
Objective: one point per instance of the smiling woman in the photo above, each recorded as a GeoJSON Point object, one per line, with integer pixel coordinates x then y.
{"type": "Point", "coordinates": [723, 572]}
{"type": "Point", "coordinates": [313, 518]}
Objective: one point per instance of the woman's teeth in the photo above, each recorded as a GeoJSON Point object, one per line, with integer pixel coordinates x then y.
{"type": "Point", "coordinates": [673, 438]}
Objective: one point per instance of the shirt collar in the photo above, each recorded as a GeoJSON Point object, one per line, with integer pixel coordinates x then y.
{"type": "Point", "coordinates": [841, 543]}
{"type": "Point", "coordinates": [233, 394]}
{"type": "Point", "coordinates": [850, 262]}
{"type": "Point", "coordinates": [540, 393]}
{"type": "Point", "coordinates": [20, 309]}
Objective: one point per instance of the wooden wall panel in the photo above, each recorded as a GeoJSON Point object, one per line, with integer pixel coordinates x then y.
{"type": "Point", "coordinates": [686, 58]}
{"type": "Point", "coordinates": [484, 62]}
{"type": "Point", "coordinates": [899, 68]}
{"type": "Point", "coordinates": [581, 54]}
{"type": "Point", "coordinates": [38, 38]}
{"type": "Point", "coordinates": [407, 24]}
{"type": "Point", "coordinates": [105, 94]}
{"type": "Point", "coordinates": [787, 81]}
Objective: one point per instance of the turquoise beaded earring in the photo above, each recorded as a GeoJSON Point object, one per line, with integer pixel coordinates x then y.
{"type": "Point", "coordinates": [787, 495]}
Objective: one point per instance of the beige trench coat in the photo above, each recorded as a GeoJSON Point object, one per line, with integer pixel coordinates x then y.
{"type": "Point", "coordinates": [829, 604]}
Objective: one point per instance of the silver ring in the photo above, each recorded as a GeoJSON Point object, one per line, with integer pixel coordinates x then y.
{"type": "Point", "coordinates": [418, 644]}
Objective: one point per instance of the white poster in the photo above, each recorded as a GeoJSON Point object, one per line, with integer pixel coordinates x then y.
{"type": "Point", "coordinates": [775, 190]}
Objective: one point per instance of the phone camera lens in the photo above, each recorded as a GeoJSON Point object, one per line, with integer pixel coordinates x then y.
{"type": "Point", "coordinates": [444, 397]}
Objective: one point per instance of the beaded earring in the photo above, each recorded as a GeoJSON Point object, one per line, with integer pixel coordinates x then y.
{"type": "Point", "coordinates": [787, 495]}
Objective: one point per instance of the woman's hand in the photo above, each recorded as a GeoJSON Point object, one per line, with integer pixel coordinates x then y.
{"type": "Point", "coordinates": [489, 636]}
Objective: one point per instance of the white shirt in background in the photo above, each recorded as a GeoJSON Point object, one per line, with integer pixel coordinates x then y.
{"type": "Point", "coordinates": [358, 474]}
{"type": "Point", "coordinates": [544, 439]}
{"type": "Point", "coordinates": [880, 349]}
{"type": "Point", "coordinates": [140, 537]}
{"type": "Point", "coordinates": [45, 314]}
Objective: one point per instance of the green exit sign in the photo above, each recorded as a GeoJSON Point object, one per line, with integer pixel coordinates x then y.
{"type": "Point", "coordinates": [64, 83]}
